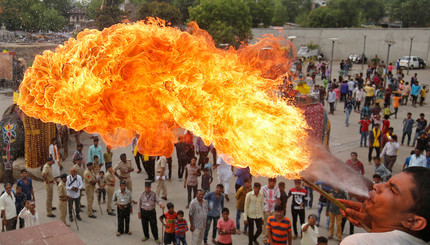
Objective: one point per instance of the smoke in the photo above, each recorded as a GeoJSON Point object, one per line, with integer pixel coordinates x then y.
{"type": "Point", "coordinates": [330, 169]}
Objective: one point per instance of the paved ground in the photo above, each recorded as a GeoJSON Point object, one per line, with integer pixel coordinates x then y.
{"type": "Point", "coordinates": [102, 230]}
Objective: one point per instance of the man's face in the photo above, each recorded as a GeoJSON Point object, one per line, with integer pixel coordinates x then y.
{"type": "Point", "coordinates": [199, 196]}
{"type": "Point", "coordinates": [271, 184]}
{"type": "Point", "coordinates": [193, 161]}
{"type": "Point", "coordinates": [50, 162]}
{"type": "Point", "coordinates": [79, 162]}
{"type": "Point", "coordinates": [353, 157]}
{"type": "Point", "coordinates": [218, 190]}
{"type": "Point", "coordinates": [377, 180]}
{"type": "Point", "coordinates": [80, 148]}
{"type": "Point", "coordinates": [122, 187]}
{"type": "Point", "coordinates": [18, 190]}
{"type": "Point", "coordinates": [24, 175]}
{"type": "Point", "coordinates": [73, 172]}
{"type": "Point", "coordinates": [123, 158]}
{"type": "Point", "coordinates": [417, 152]}
{"type": "Point", "coordinates": [279, 215]}
{"type": "Point", "coordinates": [247, 184]}
{"type": "Point", "coordinates": [32, 207]}
{"type": "Point", "coordinates": [257, 190]}
{"type": "Point", "coordinates": [389, 202]}
{"type": "Point", "coordinates": [96, 143]}
{"type": "Point", "coordinates": [409, 116]}
{"type": "Point", "coordinates": [147, 189]}
{"type": "Point", "coordinates": [8, 189]}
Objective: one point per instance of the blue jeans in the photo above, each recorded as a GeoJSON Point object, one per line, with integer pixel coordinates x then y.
{"type": "Point", "coordinates": [363, 140]}
{"type": "Point", "coordinates": [181, 239]}
{"type": "Point", "coordinates": [310, 196]}
{"type": "Point", "coordinates": [238, 214]}
{"type": "Point", "coordinates": [214, 229]}
{"type": "Point", "coordinates": [321, 206]}
{"type": "Point", "coordinates": [348, 112]}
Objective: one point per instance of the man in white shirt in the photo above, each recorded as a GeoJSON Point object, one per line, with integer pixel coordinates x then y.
{"type": "Point", "coordinates": [331, 98]}
{"type": "Point", "coordinates": [418, 160]}
{"type": "Point", "coordinates": [397, 211]}
{"type": "Point", "coordinates": [55, 154]}
{"type": "Point", "coordinates": [8, 208]}
{"type": "Point", "coordinates": [390, 152]}
{"type": "Point", "coordinates": [272, 197]}
{"type": "Point", "coordinates": [74, 184]}
{"type": "Point", "coordinates": [310, 231]}
{"type": "Point", "coordinates": [29, 214]}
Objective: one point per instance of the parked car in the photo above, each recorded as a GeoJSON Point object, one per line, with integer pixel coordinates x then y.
{"type": "Point", "coordinates": [305, 52]}
{"type": "Point", "coordinates": [357, 59]}
{"type": "Point", "coordinates": [416, 63]}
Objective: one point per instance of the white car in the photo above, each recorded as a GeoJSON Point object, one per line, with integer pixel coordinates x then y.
{"type": "Point", "coordinates": [416, 62]}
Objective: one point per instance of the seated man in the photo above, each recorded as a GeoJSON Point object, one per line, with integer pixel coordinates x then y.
{"type": "Point", "coordinates": [398, 211]}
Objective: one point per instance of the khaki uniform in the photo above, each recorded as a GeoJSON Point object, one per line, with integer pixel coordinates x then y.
{"type": "Point", "coordinates": [49, 186]}
{"type": "Point", "coordinates": [62, 202]}
{"type": "Point", "coordinates": [160, 164]}
{"type": "Point", "coordinates": [110, 189]}
{"type": "Point", "coordinates": [89, 189]}
{"type": "Point", "coordinates": [123, 168]}
{"type": "Point", "coordinates": [79, 172]}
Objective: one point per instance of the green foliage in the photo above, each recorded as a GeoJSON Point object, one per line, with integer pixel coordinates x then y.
{"type": "Point", "coordinates": [338, 13]}
{"type": "Point", "coordinates": [161, 10]}
{"type": "Point", "coordinates": [62, 6]}
{"type": "Point", "coordinates": [92, 7]}
{"type": "Point", "coordinates": [30, 15]}
{"type": "Point", "coordinates": [372, 10]}
{"type": "Point", "coordinates": [289, 10]}
{"type": "Point", "coordinates": [183, 6]}
{"type": "Point", "coordinates": [410, 12]}
{"type": "Point", "coordinates": [218, 15]}
{"type": "Point", "coordinates": [279, 15]}
{"type": "Point", "coordinates": [261, 12]}
{"type": "Point", "coordinates": [311, 45]}
{"type": "Point", "coordinates": [108, 16]}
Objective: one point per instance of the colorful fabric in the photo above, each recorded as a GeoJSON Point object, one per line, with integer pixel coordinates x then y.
{"type": "Point", "coordinates": [170, 221]}
{"type": "Point", "coordinates": [181, 227]}
{"type": "Point", "coordinates": [279, 230]}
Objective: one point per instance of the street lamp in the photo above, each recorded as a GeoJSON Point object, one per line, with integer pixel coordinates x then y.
{"type": "Point", "coordinates": [364, 50]}
{"type": "Point", "coordinates": [333, 40]}
{"type": "Point", "coordinates": [390, 43]}
{"type": "Point", "coordinates": [410, 51]}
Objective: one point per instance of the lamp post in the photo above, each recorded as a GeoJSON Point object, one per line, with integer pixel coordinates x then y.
{"type": "Point", "coordinates": [390, 43]}
{"type": "Point", "coordinates": [364, 50]}
{"type": "Point", "coordinates": [333, 40]}
{"type": "Point", "coordinates": [410, 52]}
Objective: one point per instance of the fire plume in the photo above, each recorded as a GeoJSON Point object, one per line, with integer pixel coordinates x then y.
{"type": "Point", "coordinates": [153, 79]}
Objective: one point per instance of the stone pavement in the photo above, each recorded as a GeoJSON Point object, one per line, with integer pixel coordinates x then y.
{"type": "Point", "coordinates": [102, 230]}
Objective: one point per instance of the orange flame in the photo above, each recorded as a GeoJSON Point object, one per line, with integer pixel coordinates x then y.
{"type": "Point", "coordinates": [153, 79]}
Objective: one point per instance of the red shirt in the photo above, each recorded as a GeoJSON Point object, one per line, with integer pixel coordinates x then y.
{"type": "Point", "coordinates": [385, 126]}
{"type": "Point", "coordinates": [170, 221]}
{"type": "Point", "coordinates": [364, 125]}
{"type": "Point", "coordinates": [357, 166]}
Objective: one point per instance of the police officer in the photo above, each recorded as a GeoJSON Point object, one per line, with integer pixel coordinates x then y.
{"type": "Point", "coordinates": [110, 187]}
{"type": "Point", "coordinates": [63, 198]}
{"type": "Point", "coordinates": [48, 176]}
{"type": "Point", "coordinates": [123, 201]}
{"type": "Point", "coordinates": [78, 167]}
{"type": "Point", "coordinates": [90, 183]}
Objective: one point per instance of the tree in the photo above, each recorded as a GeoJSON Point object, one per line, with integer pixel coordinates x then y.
{"type": "Point", "coordinates": [233, 15]}
{"type": "Point", "coordinates": [372, 10]}
{"type": "Point", "coordinates": [108, 16]}
{"type": "Point", "coordinates": [410, 12]}
{"type": "Point", "coordinates": [92, 8]}
{"type": "Point", "coordinates": [279, 15]}
{"type": "Point", "coordinates": [30, 15]}
{"type": "Point", "coordinates": [338, 13]}
{"type": "Point", "coordinates": [323, 17]}
{"type": "Point", "coordinates": [261, 12]}
{"type": "Point", "coordinates": [161, 10]}
{"type": "Point", "coordinates": [62, 6]}
{"type": "Point", "coordinates": [183, 6]}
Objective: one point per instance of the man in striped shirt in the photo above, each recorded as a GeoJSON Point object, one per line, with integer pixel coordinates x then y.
{"type": "Point", "coordinates": [279, 228]}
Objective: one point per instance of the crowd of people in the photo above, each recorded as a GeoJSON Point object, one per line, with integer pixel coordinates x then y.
{"type": "Point", "coordinates": [261, 209]}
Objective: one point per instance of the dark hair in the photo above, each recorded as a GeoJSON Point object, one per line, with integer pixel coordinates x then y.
{"type": "Point", "coordinates": [312, 215]}
{"type": "Point", "coordinates": [409, 113]}
{"type": "Point", "coordinates": [376, 158]}
{"type": "Point", "coordinates": [180, 212]}
{"type": "Point", "coordinates": [23, 170]}
{"type": "Point", "coordinates": [101, 172]}
{"type": "Point", "coordinates": [391, 128]}
{"type": "Point", "coordinates": [376, 176]}
{"type": "Point", "coordinates": [257, 184]}
{"type": "Point", "coordinates": [322, 239]}
{"type": "Point", "coordinates": [354, 153]}
{"type": "Point", "coordinates": [421, 114]}
{"type": "Point", "coordinates": [170, 205]}
{"type": "Point", "coordinates": [279, 208]}
{"type": "Point", "coordinates": [122, 155]}
{"type": "Point", "coordinates": [194, 158]}
{"type": "Point", "coordinates": [412, 152]}
{"type": "Point", "coordinates": [220, 186]}
{"type": "Point", "coordinates": [281, 184]}
{"type": "Point", "coordinates": [272, 180]}
{"type": "Point", "coordinates": [53, 139]}
{"type": "Point", "coordinates": [386, 116]}
{"type": "Point", "coordinates": [246, 179]}
{"type": "Point", "coordinates": [79, 145]}
{"type": "Point", "coordinates": [96, 156]}
{"type": "Point", "coordinates": [225, 210]}
{"type": "Point", "coordinates": [421, 196]}
{"type": "Point", "coordinates": [297, 181]}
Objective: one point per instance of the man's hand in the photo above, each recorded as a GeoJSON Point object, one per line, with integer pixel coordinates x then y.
{"type": "Point", "coordinates": [312, 220]}
{"type": "Point", "coordinates": [326, 213]}
{"type": "Point", "coordinates": [119, 206]}
{"type": "Point", "coordinates": [139, 215]}
{"type": "Point", "coordinates": [192, 228]}
{"type": "Point", "coordinates": [27, 204]}
{"type": "Point", "coordinates": [245, 222]}
{"type": "Point", "coordinates": [355, 213]}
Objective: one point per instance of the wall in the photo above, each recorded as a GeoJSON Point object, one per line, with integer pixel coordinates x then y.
{"type": "Point", "coordinates": [28, 51]}
{"type": "Point", "coordinates": [351, 41]}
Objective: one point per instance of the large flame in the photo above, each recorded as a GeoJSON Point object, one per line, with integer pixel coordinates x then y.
{"type": "Point", "coordinates": [153, 79]}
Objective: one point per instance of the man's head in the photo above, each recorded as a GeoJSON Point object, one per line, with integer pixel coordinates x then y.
{"type": "Point", "coordinates": [281, 186]}
{"type": "Point", "coordinates": [225, 212]}
{"type": "Point", "coordinates": [272, 183]}
{"type": "Point", "coordinates": [63, 177]}
{"type": "Point", "coordinates": [409, 115]}
{"type": "Point", "coordinates": [312, 219]}
{"type": "Point", "coordinates": [377, 161]}
{"type": "Point", "coordinates": [54, 141]}
{"type": "Point", "coordinates": [298, 184]}
{"type": "Point", "coordinates": [354, 155]}
{"type": "Point", "coordinates": [108, 148]}
{"type": "Point", "coordinates": [247, 182]}
{"type": "Point", "coordinates": [122, 185]}
{"type": "Point", "coordinates": [24, 173]}
{"type": "Point", "coordinates": [322, 241]}
{"type": "Point", "coordinates": [390, 130]}
{"type": "Point", "coordinates": [18, 189]}
{"type": "Point", "coordinates": [422, 115]}
{"type": "Point", "coordinates": [377, 178]}
{"type": "Point", "coordinates": [219, 189]}
{"type": "Point", "coordinates": [49, 160]}
{"type": "Point", "coordinates": [123, 157]}
{"type": "Point", "coordinates": [89, 165]}
{"type": "Point", "coordinates": [80, 147]}
{"type": "Point", "coordinates": [96, 160]}
{"type": "Point", "coordinates": [170, 207]}
{"type": "Point", "coordinates": [147, 187]}
{"type": "Point", "coordinates": [377, 125]}
{"type": "Point", "coordinates": [32, 206]}
{"type": "Point", "coordinates": [257, 187]}
{"type": "Point", "coordinates": [8, 187]}
{"type": "Point", "coordinates": [402, 203]}
{"type": "Point", "coordinates": [96, 141]}
{"type": "Point", "coordinates": [279, 212]}
{"type": "Point", "coordinates": [199, 195]}
{"type": "Point", "coordinates": [417, 152]}
{"type": "Point", "coordinates": [73, 172]}
{"type": "Point", "coordinates": [193, 161]}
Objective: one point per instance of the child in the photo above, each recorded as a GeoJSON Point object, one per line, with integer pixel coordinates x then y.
{"type": "Point", "coordinates": [207, 165]}
{"type": "Point", "coordinates": [107, 156]}
{"type": "Point", "coordinates": [396, 102]}
{"type": "Point", "coordinates": [322, 240]}
{"type": "Point", "coordinates": [101, 181]}
{"type": "Point", "coordinates": [377, 179]}
{"type": "Point", "coordinates": [226, 228]}
{"type": "Point", "coordinates": [206, 180]}
{"type": "Point", "coordinates": [284, 196]}
{"type": "Point", "coordinates": [298, 204]}
{"type": "Point", "coordinates": [423, 94]}
{"type": "Point", "coordinates": [181, 228]}
{"type": "Point", "coordinates": [381, 169]}
{"type": "Point", "coordinates": [170, 217]}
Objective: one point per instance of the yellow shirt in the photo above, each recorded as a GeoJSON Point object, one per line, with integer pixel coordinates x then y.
{"type": "Point", "coordinates": [254, 205]}
{"type": "Point", "coordinates": [370, 91]}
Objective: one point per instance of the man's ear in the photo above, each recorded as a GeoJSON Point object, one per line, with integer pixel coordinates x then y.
{"type": "Point", "coordinates": [415, 223]}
